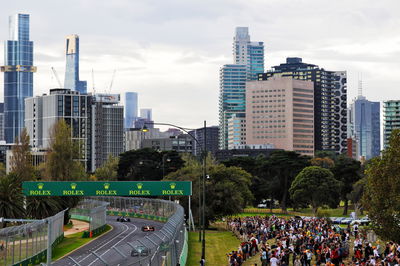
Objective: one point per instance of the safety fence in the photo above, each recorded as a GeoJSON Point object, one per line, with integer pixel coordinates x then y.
{"type": "Point", "coordinates": [164, 246]}
{"type": "Point", "coordinates": [27, 244]}
{"type": "Point", "coordinates": [92, 211]}
{"type": "Point", "coordinates": [152, 209]}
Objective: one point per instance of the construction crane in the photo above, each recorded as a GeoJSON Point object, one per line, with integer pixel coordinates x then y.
{"type": "Point", "coordinates": [112, 81]}
{"type": "Point", "coordinates": [57, 78]}
{"type": "Point", "coordinates": [94, 90]}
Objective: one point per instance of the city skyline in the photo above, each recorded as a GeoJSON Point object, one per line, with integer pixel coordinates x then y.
{"type": "Point", "coordinates": [142, 53]}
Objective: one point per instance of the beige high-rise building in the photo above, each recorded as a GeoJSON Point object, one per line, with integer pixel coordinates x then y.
{"type": "Point", "coordinates": [280, 111]}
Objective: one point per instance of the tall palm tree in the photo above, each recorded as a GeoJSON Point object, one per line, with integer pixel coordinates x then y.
{"type": "Point", "coordinates": [11, 198]}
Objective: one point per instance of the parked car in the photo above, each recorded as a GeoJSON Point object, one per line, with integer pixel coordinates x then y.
{"type": "Point", "coordinates": [356, 221]}
{"type": "Point", "coordinates": [140, 251]}
{"type": "Point", "coordinates": [262, 205]}
{"type": "Point", "coordinates": [123, 219]}
{"type": "Point", "coordinates": [365, 221]}
{"type": "Point", "coordinates": [346, 221]}
{"type": "Point", "coordinates": [338, 220]}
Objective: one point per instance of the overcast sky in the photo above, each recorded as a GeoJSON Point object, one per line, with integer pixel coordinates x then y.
{"type": "Point", "coordinates": [170, 51]}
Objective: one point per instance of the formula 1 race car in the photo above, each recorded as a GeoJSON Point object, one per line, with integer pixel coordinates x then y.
{"type": "Point", "coordinates": [140, 251]}
{"type": "Point", "coordinates": [123, 219]}
{"type": "Point", "coordinates": [148, 228]}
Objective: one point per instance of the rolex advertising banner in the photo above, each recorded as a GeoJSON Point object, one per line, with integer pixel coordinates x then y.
{"type": "Point", "coordinates": [112, 188]}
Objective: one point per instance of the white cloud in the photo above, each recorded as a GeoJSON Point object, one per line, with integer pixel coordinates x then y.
{"type": "Point", "coordinates": [170, 51]}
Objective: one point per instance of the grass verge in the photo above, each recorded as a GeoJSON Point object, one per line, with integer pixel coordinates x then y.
{"type": "Point", "coordinates": [218, 243]}
{"type": "Point", "coordinates": [70, 243]}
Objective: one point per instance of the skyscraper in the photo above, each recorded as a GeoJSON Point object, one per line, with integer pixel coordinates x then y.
{"type": "Point", "coordinates": [43, 112]}
{"type": "Point", "coordinates": [146, 113]}
{"type": "Point", "coordinates": [280, 111]}
{"type": "Point", "coordinates": [248, 62]}
{"type": "Point", "coordinates": [131, 109]}
{"type": "Point", "coordinates": [211, 139]}
{"type": "Point", "coordinates": [330, 101]}
{"type": "Point", "coordinates": [248, 53]}
{"type": "Point", "coordinates": [364, 127]}
{"type": "Point", "coordinates": [72, 81]}
{"type": "Point", "coordinates": [96, 122]}
{"type": "Point", "coordinates": [391, 119]}
{"type": "Point", "coordinates": [1, 121]}
{"type": "Point", "coordinates": [18, 75]}
{"type": "Point", "coordinates": [232, 98]}
{"type": "Point", "coordinates": [107, 128]}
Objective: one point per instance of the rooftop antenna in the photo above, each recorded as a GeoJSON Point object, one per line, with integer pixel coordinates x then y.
{"type": "Point", "coordinates": [360, 85]}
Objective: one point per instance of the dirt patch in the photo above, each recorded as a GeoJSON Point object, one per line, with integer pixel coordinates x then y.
{"type": "Point", "coordinates": [78, 226]}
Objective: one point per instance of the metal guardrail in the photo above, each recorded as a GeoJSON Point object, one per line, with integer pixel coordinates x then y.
{"type": "Point", "coordinates": [28, 243]}
{"type": "Point", "coordinates": [92, 211]}
{"type": "Point", "coordinates": [162, 247]}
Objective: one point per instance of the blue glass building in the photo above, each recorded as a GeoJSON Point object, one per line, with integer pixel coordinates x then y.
{"type": "Point", "coordinates": [248, 62]}
{"type": "Point", "coordinates": [72, 81]}
{"type": "Point", "coordinates": [18, 75]}
{"type": "Point", "coordinates": [364, 126]}
{"type": "Point", "coordinates": [131, 109]}
{"type": "Point", "coordinates": [391, 117]}
{"type": "Point", "coordinates": [246, 52]}
{"type": "Point", "coordinates": [232, 98]}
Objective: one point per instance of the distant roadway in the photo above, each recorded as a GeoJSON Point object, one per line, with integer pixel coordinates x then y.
{"type": "Point", "coordinates": [118, 236]}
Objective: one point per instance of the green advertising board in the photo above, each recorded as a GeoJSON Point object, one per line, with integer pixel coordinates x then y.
{"type": "Point", "coordinates": [114, 188]}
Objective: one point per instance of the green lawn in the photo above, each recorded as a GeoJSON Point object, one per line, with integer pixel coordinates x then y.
{"type": "Point", "coordinates": [218, 243]}
{"type": "Point", "coordinates": [70, 243]}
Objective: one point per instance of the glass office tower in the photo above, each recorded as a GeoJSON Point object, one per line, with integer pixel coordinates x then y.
{"type": "Point", "coordinates": [232, 98]}
{"type": "Point", "coordinates": [72, 81]}
{"type": "Point", "coordinates": [18, 75]}
{"type": "Point", "coordinates": [246, 52]}
{"type": "Point", "coordinates": [131, 109]}
{"type": "Point", "coordinates": [364, 126]}
{"type": "Point", "coordinates": [248, 62]}
{"type": "Point", "coordinates": [391, 119]}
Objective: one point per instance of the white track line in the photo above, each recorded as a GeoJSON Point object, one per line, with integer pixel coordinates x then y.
{"type": "Point", "coordinates": [114, 245]}
{"type": "Point", "coordinates": [90, 254]}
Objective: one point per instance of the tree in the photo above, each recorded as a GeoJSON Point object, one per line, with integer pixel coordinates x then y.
{"type": "Point", "coordinates": [21, 160]}
{"type": "Point", "coordinates": [381, 198]}
{"type": "Point", "coordinates": [325, 162]}
{"type": "Point", "coordinates": [356, 195]}
{"type": "Point", "coordinates": [109, 169]}
{"type": "Point", "coordinates": [147, 164]}
{"type": "Point", "coordinates": [63, 157]}
{"type": "Point", "coordinates": [252, 165]}
{"type": "Point", "coordinates": [227, 189]}
{"type": "Point", "coordinates": [316, 186]}
{"type": "Point", "coordinates": [347, 171]}
{"type": "Point", "coordinates": [279, 171]}
{"type": "Point", "coordinates": [63, 162]}
{"type": "Point", "coordinates": [42, 207]}
{"type": "Point", "coordinates": [11, 198]}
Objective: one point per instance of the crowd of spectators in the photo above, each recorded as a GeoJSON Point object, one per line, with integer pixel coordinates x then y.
{"type": "Point", "coordinates": [305, 241]}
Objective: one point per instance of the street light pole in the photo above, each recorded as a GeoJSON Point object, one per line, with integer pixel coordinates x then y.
{"type": "Point", "coordinates": [201, 198]}
{"type": "Point", "coordinates": [203, 248]}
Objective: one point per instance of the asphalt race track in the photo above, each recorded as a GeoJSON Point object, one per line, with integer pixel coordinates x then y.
{"type": "Point", "coordinates": [118, 236]}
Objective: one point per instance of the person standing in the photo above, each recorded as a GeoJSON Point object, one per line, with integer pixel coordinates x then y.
{"type": "Point", "coordinates": [264, 257]}
{"type": "Point", "coordinates": [274, 261]}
